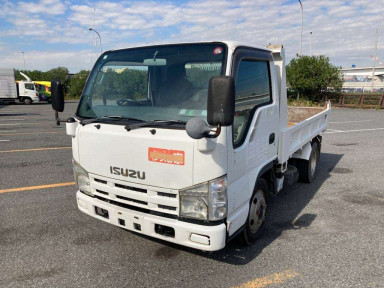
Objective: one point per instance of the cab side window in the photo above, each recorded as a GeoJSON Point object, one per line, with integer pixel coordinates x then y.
{"type": "Point", "coordinates": [29, 86]}
{"type": "Point", "coordinates": [253, 89]}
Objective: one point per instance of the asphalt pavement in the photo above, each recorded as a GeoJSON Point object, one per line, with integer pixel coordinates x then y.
{"type": "Point", "coordinates": [326, 234]}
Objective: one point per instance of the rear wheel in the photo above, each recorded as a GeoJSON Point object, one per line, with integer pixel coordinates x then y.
{"type": "Point", "coordinates": [257, 212]}
{"type": "Point", "coordinates": [307, 168]}
{"type": "Point", "coordinates": [27, 101]}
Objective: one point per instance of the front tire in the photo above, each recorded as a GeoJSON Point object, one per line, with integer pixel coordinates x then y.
{"type": "Point", "coordinates": [254, 225]}
{"type": "Point", "coordinates": [27, 101]}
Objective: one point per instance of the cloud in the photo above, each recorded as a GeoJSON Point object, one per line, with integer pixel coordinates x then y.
{"type": "Point", "coordinates": [75, 60]}
{"type": "Point", "coordinates": [342, 30]}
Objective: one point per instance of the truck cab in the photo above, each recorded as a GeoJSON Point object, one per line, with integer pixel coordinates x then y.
{"type": "Point", "coordinates": [27, 92]}
{"type": "Point", "coordinates": [188, 142]}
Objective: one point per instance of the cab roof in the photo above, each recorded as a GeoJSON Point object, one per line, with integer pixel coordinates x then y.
{"type": "Point", "coordinates": [232, 45]}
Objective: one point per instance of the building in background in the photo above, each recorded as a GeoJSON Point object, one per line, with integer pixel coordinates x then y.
{"type": "Point", "coordinates": [359, 79]}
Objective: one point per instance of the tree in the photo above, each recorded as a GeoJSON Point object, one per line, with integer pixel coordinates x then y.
{"type": "Point", "coordinates": [35, 75]}
{"type": "Point", "coordinates": [59, 73]}
{"type": "Point", "coordinates": [76, 84]}
{"type": "Point", "coordinates": [312, 75]}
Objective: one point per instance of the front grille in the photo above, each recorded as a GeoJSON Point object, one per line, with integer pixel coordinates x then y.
{"type": "Point", "coordinates": [169, 195]}
{"type": "Point", "coordinates": [132, 200]}
{"type": "Point", "coordinates": [101, 181]}
{"type": "Point", "coordinates": [167, 207]}
{"type": "Point", "coordinates": [146, 199]}
{"type": "Point", "coordinates": [101, 192]}
{"type": "Point", "coordinates": [131, 188]}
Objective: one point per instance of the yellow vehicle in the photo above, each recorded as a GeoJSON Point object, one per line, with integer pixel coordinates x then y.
{"type": "Point", "coordinates": [44, 89]}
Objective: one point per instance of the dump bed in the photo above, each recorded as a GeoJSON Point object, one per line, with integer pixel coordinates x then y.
{"type": "Point", "coordinates": [304, 124]}
{"type": "Point", "coordinates": [7, 84]}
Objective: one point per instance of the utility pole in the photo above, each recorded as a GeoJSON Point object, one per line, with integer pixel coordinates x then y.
{"type": "Point", "coordinates": [94, 41]}
{"type": "Point", "coordinates": [374, 60]}
{"type": "Point", "coordinates": [24, 60]}
{"type": "Point", "coordinates": [91, 29]}
{"type": "Point", "coordinates": [301, 37]}
{"type": "Point", "coordinates": [310, 43]}
{"type": "Point", "coordinates": [301, 29]}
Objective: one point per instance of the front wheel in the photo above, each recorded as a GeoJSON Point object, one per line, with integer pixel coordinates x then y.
{"type": "Point", "coordinates": [257, 213]}
{"type": "Point", "coordinates": [27, 101]}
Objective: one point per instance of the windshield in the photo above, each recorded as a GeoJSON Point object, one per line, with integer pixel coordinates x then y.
{"type": "Point", "coordinates": [153, 83]}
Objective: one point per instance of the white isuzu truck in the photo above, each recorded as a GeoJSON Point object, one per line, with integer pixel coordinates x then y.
{"type": "Point", "coordinates": [188, 142]}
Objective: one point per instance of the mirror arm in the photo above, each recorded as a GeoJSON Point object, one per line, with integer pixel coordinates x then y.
{"type": "Point", "coordinates": [58, 120]}
{"type": "Point", "coordinates": [217, 132]}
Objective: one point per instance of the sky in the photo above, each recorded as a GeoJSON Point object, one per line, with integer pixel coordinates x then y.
{"type": "Point", "coordinates": [54, 33]}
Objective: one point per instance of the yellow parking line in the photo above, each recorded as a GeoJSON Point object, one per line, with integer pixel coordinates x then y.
{"type": "Point", "coordinates": [30, 133]}
{"type": "Point", "coordinates": [273, 279]}
{"type": "Point", "coordinates": [35, 149]}
{"type": "Point", "coordinates": [37, 187]}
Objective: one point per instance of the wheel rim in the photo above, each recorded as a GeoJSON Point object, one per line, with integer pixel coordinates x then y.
{"type": "Point", "coordinates": [257, 211]}
{"type": "Point", "coordinates": [313, 162]}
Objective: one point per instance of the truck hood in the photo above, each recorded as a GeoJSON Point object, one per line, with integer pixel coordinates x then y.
{"type": "Point", "coordinates": [168, 158]}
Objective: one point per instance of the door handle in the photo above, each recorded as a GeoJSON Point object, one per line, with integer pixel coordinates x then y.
{"type": "Point", "coordinates": [271, 138]}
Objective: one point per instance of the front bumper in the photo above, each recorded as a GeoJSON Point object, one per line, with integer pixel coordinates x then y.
{"type": "Point", "coordinates": [214, 236]}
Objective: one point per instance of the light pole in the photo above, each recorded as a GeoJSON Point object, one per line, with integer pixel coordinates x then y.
{"type": "Point", "coordinates": [91, 29]}
{"type": "Point", "coordinates": [301, 29]}
{"type": "Point", "coordinates": [374, 60]}
{"type": "Point", "coordinates": [24, 60]}
{"type": "Point", "coordinates": [310, 43]}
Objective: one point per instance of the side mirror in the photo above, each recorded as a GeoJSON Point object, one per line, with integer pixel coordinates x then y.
{"type": "Point", "coordinates": [221, 101]}
{"type": "Point", "coordinates": [57, 96]}
{"type": "Point", "coordinates": [197, 128]}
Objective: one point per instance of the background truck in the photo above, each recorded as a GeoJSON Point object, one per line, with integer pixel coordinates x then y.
{"type": "Point", "coordinates": [188, 142]}
{"type": "Point", "coordinates": [44, 89]}
{"type": "Point", "coordinates": [11, 90]}
{"type": "Point", "coordinates": [7, 85]}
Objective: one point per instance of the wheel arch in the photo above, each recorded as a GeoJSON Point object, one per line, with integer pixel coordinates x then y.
{"type": "Point", "coordinates": [238, 217]}
{"type": "Point", "coordinates": [305, 152]}
{"type": "Point", "coordinates": [268, 175]}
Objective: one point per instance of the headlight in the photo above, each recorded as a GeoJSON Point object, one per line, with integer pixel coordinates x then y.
{"type": "Point", "coordinates": [81, 178]}
{"type": "Point", "coordinates": [194, 202]}
{"type": "Point", "coordinates": [206, 201]}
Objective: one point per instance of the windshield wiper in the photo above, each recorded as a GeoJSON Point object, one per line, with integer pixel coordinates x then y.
{"type": "Point", "coordinates": [155, 123]}
{"type": "Point", "coordinates": [106, 119]}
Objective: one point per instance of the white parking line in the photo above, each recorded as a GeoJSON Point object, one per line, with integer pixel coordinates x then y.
{"type": "Point", "coordinates": [360, 130]}
{"type": "Point", "coordinates": [5, 140]}
{"type": "Point", "coordinates": [333, 130]}
{"type": "Point", "coordinates": [349, 122]}
{"type": "Point", "coordinates": [12, 119]}
{"type": "Point", "coordinates": [14, 124]}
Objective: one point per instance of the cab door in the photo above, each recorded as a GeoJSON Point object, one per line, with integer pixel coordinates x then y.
{"type": "Point", "coordinates": [253, 144]}
{"type": "Point", "coordinates": [29, 90]}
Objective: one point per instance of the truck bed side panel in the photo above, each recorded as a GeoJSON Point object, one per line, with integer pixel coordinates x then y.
{"type": "Point", "coordinates": [295, 137]}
